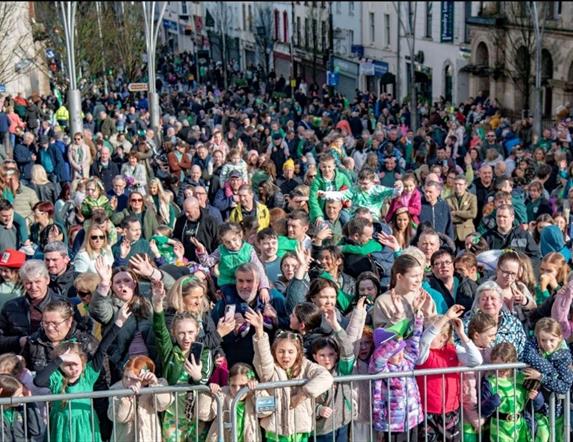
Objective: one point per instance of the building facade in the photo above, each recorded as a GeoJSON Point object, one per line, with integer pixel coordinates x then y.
{"type": "Point", "coordinates": [503, 54]}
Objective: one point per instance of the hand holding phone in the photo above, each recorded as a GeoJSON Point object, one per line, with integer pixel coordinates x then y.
{"type": "Point", "coordinates": [230, 312]}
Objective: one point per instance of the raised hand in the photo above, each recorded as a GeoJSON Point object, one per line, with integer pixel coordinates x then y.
{"type": "Point", "coordinates": [70, 356]}
{"type": "Point", "coordinates": [256, 320]}
{"type": "Point", "coordinates": [123, 315]}
{"type": "Point", "coordinates": [388, 240]}
{"type": "Point", "coordinates": [193, 368]}
{"type": "Point", "coordinates": [142, 265]}
{"type": "Point", "coordinates": [199, 248]}
{"type": "Point", "coordinates": [103, 269]}
{"type": "Point", "coordinates": [157, 295]}
{"type": "Point", "coordinates": [330, 317]}
{"type": "Point", "coordinates": [454, 312]}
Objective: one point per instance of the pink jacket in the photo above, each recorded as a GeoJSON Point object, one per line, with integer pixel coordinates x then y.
{"type": "Point", "coordinates": [470, 393]}
{"type": "Point", "coordinates": [561, 307]}
{"type": "Point", "coordinates": [414, 206]}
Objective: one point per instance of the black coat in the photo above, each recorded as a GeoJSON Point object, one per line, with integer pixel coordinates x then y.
{"type": "Point", "coordinates": [38, 349]}
{"type": "Point", "coordinates": [105, 173]}
{"type": "Point", "coordinates": [464, 296]}
{"type": "Point", "coordinates": [206, 234]}
{"type": "Point", "coordinates": [15, 320]}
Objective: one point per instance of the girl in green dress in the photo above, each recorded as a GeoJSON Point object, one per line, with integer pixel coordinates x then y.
{"type": "Point", "coordinates": [179, 367]}
{"type": "Point", "coordinates": [71, 372]}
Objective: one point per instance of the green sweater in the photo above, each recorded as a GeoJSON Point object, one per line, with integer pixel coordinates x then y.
{"type": "Point", "coordinates": [319, 183]}
{"type": "Point", "coordinates": [172, 357]}
{"type": "Point", "coordinates": [230, 261]}
{"type": "Point", "coordinates": [373, 199]}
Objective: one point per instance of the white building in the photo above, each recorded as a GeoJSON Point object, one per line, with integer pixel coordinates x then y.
{"type": "Point", "coordinates": [441, 48]}
{"type": "Point", "coordinates": [182, 28]}
{"type": "Point", "coordinates": [348, 44]}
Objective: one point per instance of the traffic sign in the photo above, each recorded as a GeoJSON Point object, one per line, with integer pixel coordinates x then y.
{"type": "Point", "coordinates": [331, 78]}
{"type": "Point", "coordinates": [50, 53]}
{"type": "Point", "coordinates": [137, 87]}
{"type": "Point", "coordinates": [2, 88]}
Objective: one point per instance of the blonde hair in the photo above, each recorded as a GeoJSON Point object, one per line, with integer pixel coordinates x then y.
{"type": "Point", "coordinates": [548, 325]}
{"type": "Point", "coordinates": [87, 245]}
{"type": "Point", "coordinates": [87, 282]}
{"type": "Point", "coordinates": [12, 364]}
{"type": "Point", "coordinates": [182, 288]}
{"type": "Point", "coordinates": [39, 175]}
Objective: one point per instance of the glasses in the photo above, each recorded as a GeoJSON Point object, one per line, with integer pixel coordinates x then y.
{"type": "Point", "coordinates": [136, 200]}
{"type": "Point", "coordinates": [443, 263]}
{"type": "Point", "coordinates": [52, 324]}
{"type": "Point", "coordinates": [78, 139]}
{"type": "Point", "coordinates": [97, 237]}
{"type": "Point", "coordinates": [82, 294]}
{"type": "Point", "coordinates": [507, 274]}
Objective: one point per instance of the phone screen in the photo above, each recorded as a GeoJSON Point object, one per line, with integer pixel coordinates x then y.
{"type": "Point", "coordinates": [196, 350]}
{"type": "Point", "coordinates": [230, 312]}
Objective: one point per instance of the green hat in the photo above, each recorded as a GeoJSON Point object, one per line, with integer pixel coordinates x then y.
{"type": "Point", "coordinates": [401, 328]}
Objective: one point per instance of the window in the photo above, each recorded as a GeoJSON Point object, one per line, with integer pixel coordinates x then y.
{"type": "Point", "coordinates": [183, 8]}
{"type": "Point", "coordinates": [298, 42]}
{"type": "Point", "coordinates": [277, 24]}
{"type": "Point", "coordinates": [244, 16]}
{"type": "Point", "coordinates": [387, 39]}
{"type": "Point", "coordinates": [314, 32]}
{"type": "Point", "coordinates": [250, 19]}
{"type": "Point", "coordinates": [468, 14]}
{"type": "Point", "coordinates": [285, 26]}
{"type": "Point", "coordinates": [339, 7]}
{"type": "Point", "coordinates": [324, 34]}
{"type": "Point", "coordinates": [306, 32]}
{"type": "Point", "coordinates": [428, 19]}
{"type": "Point", "coordinates": [350, 39]}
{"type": "Point", "coordinates": [372, 27]}
{"type": "Point", "coordinates": [350, 8]}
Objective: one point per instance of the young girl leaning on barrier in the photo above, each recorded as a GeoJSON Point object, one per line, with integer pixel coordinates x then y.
{"type": "Point", "coordinates": [138, 413]}
{"type": "Point", "coordinates": [550, 372]}
{"type": "Point", "coordinates": [180, 366]}
{"type": "Point", "coordinates": [19, 422]}
{"type": "Point", "coordinates": [482, 329]}
{"type": "Point", "coordinates": [396, 405]}
{"type": "Point", "coordinates": [334, 408]}
{"type": "Point", "coordinates": [71, 372]}
{"type": "Point", "coordinates": [248, 428]}
{"type": "Point", "coordinates": [440, 394]}
{"type": "Point", "coordinates": [293, 417]}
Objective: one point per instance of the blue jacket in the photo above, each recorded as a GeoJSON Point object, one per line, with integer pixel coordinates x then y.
{"type": "Point", "coordinates": [23, 157]}
{"type": "Point", "coordinates": [438, 216]}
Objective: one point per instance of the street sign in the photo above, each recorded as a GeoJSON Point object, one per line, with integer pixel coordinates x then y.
{"type": "Point", "coordinates": [50, 53]}
{"type": "Point", "coordinates": [2, 88]}
{"type": "Point", "coordinates": [331, 78]}
{"type": "Point", "coordinates": [137, 87]}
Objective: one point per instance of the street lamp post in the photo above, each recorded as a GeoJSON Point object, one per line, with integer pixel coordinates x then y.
{"type": "Point", "coordinates": [151, 33]}
{"type": "Point", "coordinates": [98, 11]}
{"type": "Point", "coordinates": [68, 10]}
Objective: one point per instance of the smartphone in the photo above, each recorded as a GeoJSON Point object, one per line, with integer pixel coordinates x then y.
{"type": "Point", "coordinates": [196, 350]}
{"type": "Point", "coordinates": [230, 312]}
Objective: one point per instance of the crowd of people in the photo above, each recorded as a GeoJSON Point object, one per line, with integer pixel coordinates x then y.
{"type": "Point", "coordinates": [262, 236]}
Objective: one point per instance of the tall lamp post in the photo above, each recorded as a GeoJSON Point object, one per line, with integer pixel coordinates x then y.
{"type": "Point", "coordinates": [68, 11]}
{"type": "Point", "coordinates": [151, 33]}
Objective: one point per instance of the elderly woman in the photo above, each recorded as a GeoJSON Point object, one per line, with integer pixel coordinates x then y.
{"type": "Point", "coordinates": [489, 299]}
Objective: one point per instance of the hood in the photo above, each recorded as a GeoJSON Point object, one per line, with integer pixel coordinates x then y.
{"type": "Point", "coordinates": [551, 240]}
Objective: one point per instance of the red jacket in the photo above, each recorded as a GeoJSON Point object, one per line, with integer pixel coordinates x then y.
{"type": "Point", "coordinates": [443, 390]}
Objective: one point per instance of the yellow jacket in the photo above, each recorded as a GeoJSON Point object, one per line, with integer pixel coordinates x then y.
{"type": "Point", "coordinates": [263, 216]}
{"type": "Point", "coordinates": [62, 113]}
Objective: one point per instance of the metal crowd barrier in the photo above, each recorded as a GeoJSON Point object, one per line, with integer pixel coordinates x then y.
{"type": "Point", "coordinates": [112, 394]}
{"type": "Point", "coordinates": [476, 371]}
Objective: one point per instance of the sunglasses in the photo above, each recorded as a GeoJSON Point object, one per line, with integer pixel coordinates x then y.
{"type": "Point", "coordinates": [83, 294]}
{"type": "Point", "coordinates": [136, 200]}
{"type": "Point", "coordinates": [96, 237]}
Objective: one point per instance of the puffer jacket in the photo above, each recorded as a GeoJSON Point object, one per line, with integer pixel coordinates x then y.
{"type": "Point", "coordinates": [285, 420]}
{"type": "Point", "coordinates": [38, 347]}
{"type": "Point", "coordinates": [396, 401]}
{"type": "Point", "coordinates": [123, 412]}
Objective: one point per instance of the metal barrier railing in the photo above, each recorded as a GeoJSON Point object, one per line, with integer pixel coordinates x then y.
{"type": "Point", "coordinates": [367, 429]}
{"type": "Point", "coordinates": [113, 394]}
{"type": "Point", "coordinates": [475, 371]}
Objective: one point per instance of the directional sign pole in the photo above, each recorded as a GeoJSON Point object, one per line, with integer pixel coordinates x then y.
{"type": "Point", "coordinates": [151, 33]}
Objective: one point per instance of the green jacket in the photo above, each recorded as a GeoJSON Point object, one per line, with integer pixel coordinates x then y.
{"type": "Point", "coordinates": [171, 356]}
{"type": "Point", "coordinates": [316, 207]}
{"type": "Point", "coordinates": [148, 226]}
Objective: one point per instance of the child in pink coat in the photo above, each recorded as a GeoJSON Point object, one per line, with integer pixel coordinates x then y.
{"type": "Point", "coordinates": [411, 198]}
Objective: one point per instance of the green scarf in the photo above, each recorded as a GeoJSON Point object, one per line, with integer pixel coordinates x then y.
{"type": "Point", "coordinates": [371, 246]}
